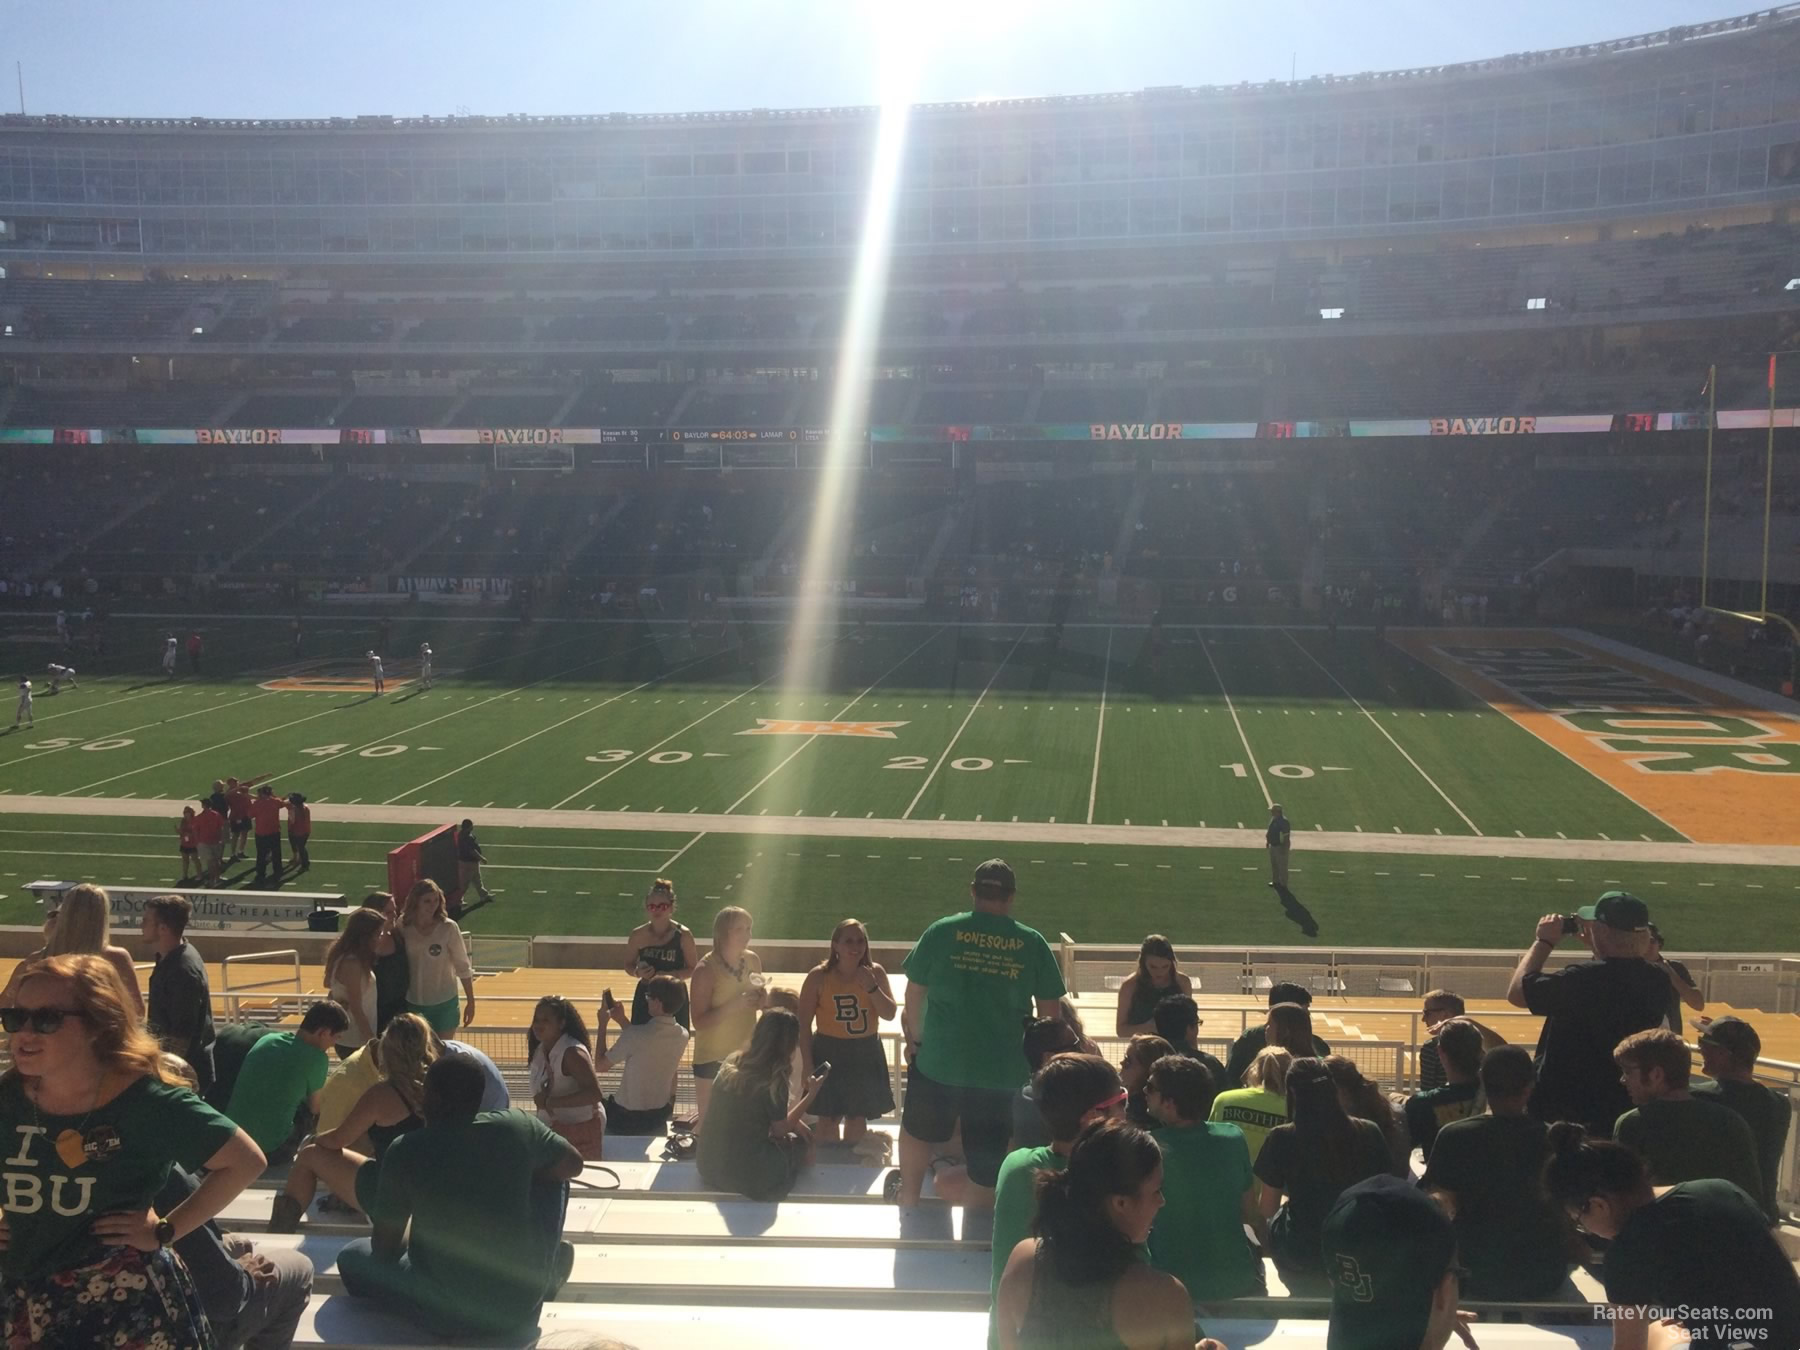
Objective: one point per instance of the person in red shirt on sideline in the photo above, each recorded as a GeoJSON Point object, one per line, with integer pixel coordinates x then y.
{"type": "Point", "coordinates": [299, 830]}
{"type": "Point", "coordinates": [209, 836]}
{"type": "Point", "coordinates": [194, 652]}
{"type": "Point", "coordinates": [265, 813]}
{"type": "Point", "coordinates": [190, 848]}
{"type": "Point", "coordinates": [237, 809]}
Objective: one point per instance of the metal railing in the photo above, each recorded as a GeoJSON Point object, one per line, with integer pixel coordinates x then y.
{"type": "Point", "coordinates": [1765, 981]}
{"type": "Point", "coordinates": [233, 994]}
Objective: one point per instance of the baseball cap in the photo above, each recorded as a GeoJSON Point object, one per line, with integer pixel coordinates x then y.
{"type": "Point", "coordinates": [1732, 1034]}
{"type": "Point", "coordinates": [1386, 1247]}
{"type": "Point", "coordinates": [1618, 909]}
{"type": "Point", "coordinates": [995, 874]}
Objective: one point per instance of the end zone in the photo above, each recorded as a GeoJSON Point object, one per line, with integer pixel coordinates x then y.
{"type": "Point", "coordinates": [1702, 761]}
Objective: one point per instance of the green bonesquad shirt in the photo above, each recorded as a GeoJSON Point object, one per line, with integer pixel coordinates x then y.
{"type": "Point", "coordinates": [279, 1073]}
{"type": "Point", "coordinates": [134, 1138]}
{"type": "Point", "coordinates": [982, 972]}
{"type": "Point", "coordinates": [467, 1190]}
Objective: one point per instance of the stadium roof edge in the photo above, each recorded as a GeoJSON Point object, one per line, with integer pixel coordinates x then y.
{"type": "Point", "coordinates": [1779, 15]}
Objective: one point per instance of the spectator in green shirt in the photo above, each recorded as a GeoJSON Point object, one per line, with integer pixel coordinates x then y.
{"type": "Point", "coordinates": [283, 1073]}
{"type": "Point", "coordinates": [1082, 1280]}
{"type": "Point", "coordinates": [1680, 1136]}
{"type": "Point", "coordinates": [971, 979]}
{"type": "Point", "coordinates": [485, 1197]}
{"type": "Point", "coordinates": [1729, 1047]}
{"type": "Point", "coordinates": [1210, 1192]}
{"type": "Point", "coordinates": [1071, 1091]}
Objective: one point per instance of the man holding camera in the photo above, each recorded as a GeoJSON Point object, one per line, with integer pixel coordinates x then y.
{"type": "Point", "coordinates": [1588, 1007]}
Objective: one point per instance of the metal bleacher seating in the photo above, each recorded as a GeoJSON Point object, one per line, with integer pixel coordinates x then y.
{"type": "Point", "coordinates": [661, 1261]}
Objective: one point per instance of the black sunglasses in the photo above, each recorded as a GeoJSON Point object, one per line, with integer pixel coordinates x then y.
{"type": "Point", "coordinates": [44, 1021]}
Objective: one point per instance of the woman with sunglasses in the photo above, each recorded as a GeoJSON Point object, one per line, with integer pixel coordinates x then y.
{"type": "Point", "coordinates": [659, 947]}
{"type": "Point", "coordinates": [93, 1124]}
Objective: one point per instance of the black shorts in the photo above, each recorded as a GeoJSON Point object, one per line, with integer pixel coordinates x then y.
{"type": "Point", "coordinates": [933, 1109]}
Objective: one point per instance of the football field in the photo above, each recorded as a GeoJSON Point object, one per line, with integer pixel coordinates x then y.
{"type": "Point", "coordinates": [1122, 772]}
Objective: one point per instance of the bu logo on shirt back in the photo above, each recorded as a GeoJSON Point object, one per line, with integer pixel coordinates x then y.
{"type": "Point", "coordinates": [25, 1190]}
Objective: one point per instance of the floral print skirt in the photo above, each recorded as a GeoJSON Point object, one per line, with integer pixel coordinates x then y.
{"type": "Point", "coordinates": [128, 1300]}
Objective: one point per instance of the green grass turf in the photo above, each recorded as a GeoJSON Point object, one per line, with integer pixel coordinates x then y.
{"type": "Point", "coordinates": [994, 724]}
{"type": "Point", "coordinates": [592, 882]}
{"type": "Point", "coordinates": [998, 724]}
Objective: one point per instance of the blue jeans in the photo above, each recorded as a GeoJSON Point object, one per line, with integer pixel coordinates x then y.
{"type": "Point", "coordinates": [402, 1290]}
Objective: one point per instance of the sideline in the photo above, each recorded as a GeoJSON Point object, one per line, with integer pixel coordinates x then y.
{"type": "Point", "coordinates": [994, 831]}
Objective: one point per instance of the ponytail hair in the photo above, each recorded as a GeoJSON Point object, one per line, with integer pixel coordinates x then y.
{"type": "Point", "coordinates": [1081, 1252]}
{"type": "Point", "coordinates": [1581, 1168]}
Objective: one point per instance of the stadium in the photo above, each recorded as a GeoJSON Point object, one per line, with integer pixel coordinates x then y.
{"type": "Point", "coordinates": [1414, 451]}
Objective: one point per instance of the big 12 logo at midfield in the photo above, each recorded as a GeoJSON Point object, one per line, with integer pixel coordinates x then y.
{"type": "Point", "coordinates": [773, 726]}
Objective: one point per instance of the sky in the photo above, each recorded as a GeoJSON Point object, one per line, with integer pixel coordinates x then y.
{"type": "Point", "coordinates": [250, 58]}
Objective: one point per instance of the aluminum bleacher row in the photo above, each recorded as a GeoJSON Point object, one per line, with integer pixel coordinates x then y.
{"type": "Point", "coordinates": [658, 1243]}
{"type": "Point", "coordinates": [661, 1262]}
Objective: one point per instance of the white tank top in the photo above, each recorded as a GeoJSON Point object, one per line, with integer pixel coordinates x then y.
{"type": "Point", "coordinates": [341, 992]}
{"type": "Point", "coordinates": [547, 1069]}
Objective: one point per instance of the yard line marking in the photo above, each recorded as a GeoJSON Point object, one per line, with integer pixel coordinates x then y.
{"type": "Point", "coordinates": [1232, 710]}
{"type": "Point", "coordinates": [336, 707]}
{"type": "Point", "coordinates": [95, 707]}
{"type": "Point", "coordinates": [1100, 730]}
{"type": "Point", "coordinates": [670, 862]}
{"type": "Point", "coordinates": [1289, 633]}
{"type": "Point", "coordinates": [144, 726]}
{"type": "Point", "coordinates": [839, 717]}
{"type": "Point", "coordinates": [673, 670]}
{"type": "Point", "coordinates": [973, 707]}
{"type": "Point", "coordinates": [666, 739]}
